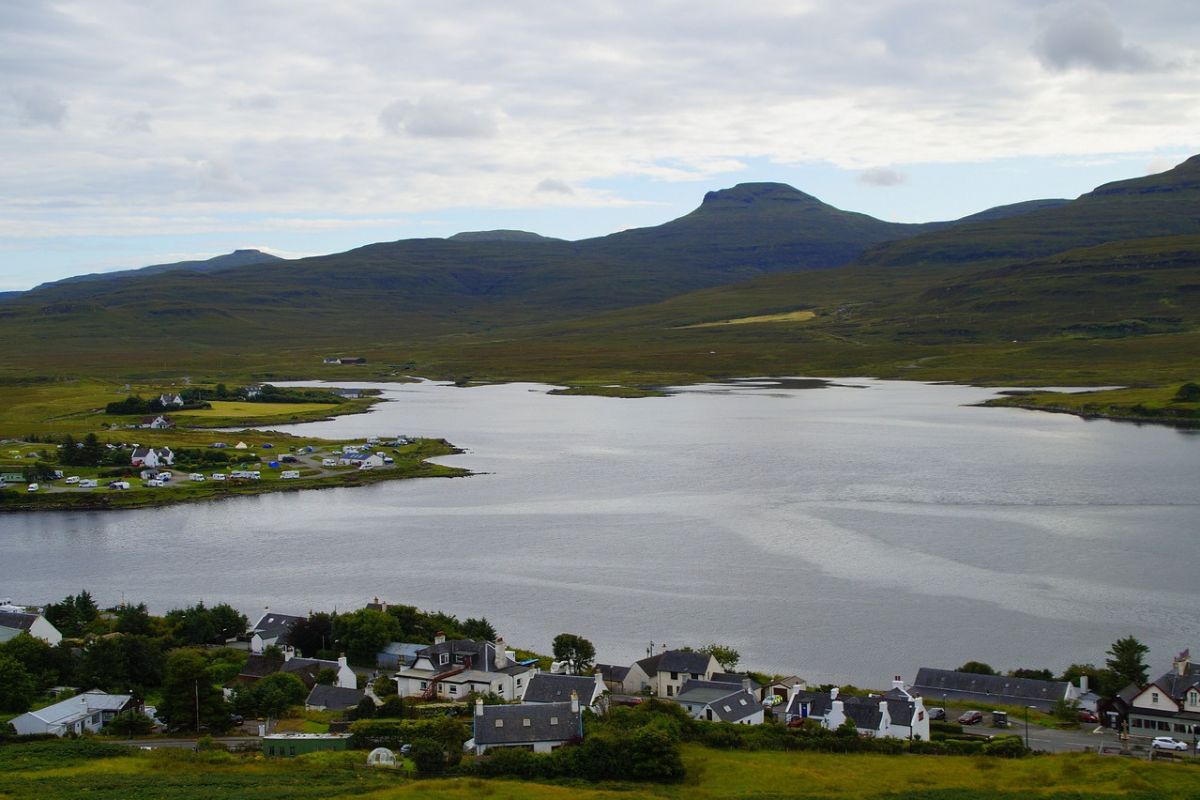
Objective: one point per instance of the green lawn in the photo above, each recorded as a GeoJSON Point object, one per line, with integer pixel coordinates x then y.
{"type": "Point", "coordinates": [246, 410]}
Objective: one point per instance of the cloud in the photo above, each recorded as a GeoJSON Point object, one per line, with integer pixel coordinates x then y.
{"type": "Point", "coordinates": [554, 186]}
{"type": "Point", "coordinates": [882, 176]}
{"type": "Point", "coordinates": [436, 118]}
{"type": "Point", "coordinates": [40, 107]}
{"type": "Point", "coordinates": [137, 122]}
{"type": "Point", "coordinates": [254, 102]}
{"type": "Point", "coordinates": [1085, 35]}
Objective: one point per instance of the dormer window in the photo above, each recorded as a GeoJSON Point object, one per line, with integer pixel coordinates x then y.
{"type": "Point", "coordinates": [499, 723]}
{"type": "Point", "coordinates": [554, 720]}
{"type": "Point", "coordinates": [525, 722]}
{"type": "Point", "coordinates": [1193, 698]}
{"type": "Point", "coordinates": [444, 659]}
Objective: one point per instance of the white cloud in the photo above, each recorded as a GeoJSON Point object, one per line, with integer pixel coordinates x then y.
{"type": "Point", "coordinates": [882, 176]}
{"type": "Point", "coordinates": [370, 109]}
{"type": "Point", "coordinates": [1085, 35]}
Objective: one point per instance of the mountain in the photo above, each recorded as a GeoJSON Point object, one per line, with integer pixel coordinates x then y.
{"type": "Point", "coordinates": [1165, 204]}
{"type": "Point", "coordinates": [501, 236]}
{"type": "Point", "coordinates": [754, 228]}
{"type": "Point", "coordinates": [238, 258]}
{"type": "Point", "coordinates": [1099, 288]}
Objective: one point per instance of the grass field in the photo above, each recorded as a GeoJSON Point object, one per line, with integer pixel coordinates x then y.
{"type": "Point", "coordinates": [247, 411]}
{"type": "Point", "coordinates": [787, 316]}
{"type": "Point", "coordinates": [51, 771]}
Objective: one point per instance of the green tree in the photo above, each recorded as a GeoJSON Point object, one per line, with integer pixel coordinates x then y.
{"type": "Point", "coordinates": [479, 629]}
{"type": "Point", "coordinates": [313, 635]}
{"type": "Point", "coordinates": [392, 708]}
{"type": "Point", "coordinates": [188, 696]}
{"type": "Point", "coordinates": [428, 757]}
{"type": "Point", "coordinates": [327, 676]}
{"type": "Point", "coordinates": [577, 651]}
{"type": "Point", "coordinates": [1035, 674]}
{"type": "Point", "coordinates": [365, 709]}
{"type": "Point", "coordinates": [130, 723]}
{"type": "Point", "coordinates": [49, 666]}
{"type": "Point", "coordinates": [385, 687]}
{"type": "Point", "coordinates": [134, 619]}
{"type": "Point", "coordinates": [275, 694]}
{"type": "Point", "coordinates": [228, 621]}
{"type": "Point", "coordinates": [726, 656]}
{"type": "Point", "coordinates": [92, 452]}
{"type": "Point", "coordinates": [1188, 393]}
{"type": "Point", "coordinates": [73, 615]}
{"type": "Point", "coordinates": [1126, 660]}
{"type": "Point", "coordinates": [17, 688]}
{"type": "Point", "coordinates": [363, 633]}
{"type": "Point", "coordinates": [977, 667]}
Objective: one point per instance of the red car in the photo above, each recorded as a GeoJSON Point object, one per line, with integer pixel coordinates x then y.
{"type": "Point", "coordinates": [1087, 716]}
{"type": "Point", "coordinates": [970, 718]}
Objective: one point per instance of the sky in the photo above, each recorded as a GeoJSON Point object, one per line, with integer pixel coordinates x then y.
{"type": "Point", "coordinates": [134, 133]}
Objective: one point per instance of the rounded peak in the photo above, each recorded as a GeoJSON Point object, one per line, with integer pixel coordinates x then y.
{"type": "Point", "coordinates": [746, 193]}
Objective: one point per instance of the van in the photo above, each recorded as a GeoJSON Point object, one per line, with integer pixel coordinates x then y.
{"type": "Point", "coordinates": [218, 476]}
{"type": "Point", "coordinates": [290, 474]}
{"type": "Point", "coordinates": [33, 487]}
{"type": "Point", "coordinates": [197, 477]}
{"type": "Point", "coordinates": [88, 483]}
{"type": "Point", "coordinates": [73, 479]}
{"type": "Point", "coordinates": [155, 483]}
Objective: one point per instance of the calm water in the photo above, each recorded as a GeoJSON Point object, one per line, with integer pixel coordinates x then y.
{"type": "Point", "coordinates": [843, 533]}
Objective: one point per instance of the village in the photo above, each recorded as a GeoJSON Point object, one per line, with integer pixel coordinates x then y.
{"type": "Point", "coordinates": [508, 698]}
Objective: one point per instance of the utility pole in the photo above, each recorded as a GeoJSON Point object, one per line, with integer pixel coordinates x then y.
{"type": "Point", "coordinates": [196, 694]}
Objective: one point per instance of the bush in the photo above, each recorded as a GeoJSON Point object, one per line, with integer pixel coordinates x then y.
{"type": "Point", "coordinates": [130, 723]}
{"type": "Point", "coordinates": [1005, 747]}
{"type": "Point", "coordinates": [392, 708]}
{"type": "Point", "coordinates": [428, 757]}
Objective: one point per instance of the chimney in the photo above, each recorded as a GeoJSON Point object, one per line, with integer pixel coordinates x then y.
{"type": "Point", "coordinates": [833, 693]}
{"type": "Point", "coordinates": [439, 637]}
{"type": "Point", "coordinates": [342, 660]}
{"type": "Point", "coordinates": [1083, 684]}
{"type": "Point", "coordinates": [574, 702]}
{"type": "Point", "coordinates": [747, 686]}
{"type": "Point", "coordinates": [796, 690]}
{"type": "Point", "coordinates": [479, 706]}
{"type": "Point", "coordinates": [898, 683]}
{"type": "Point", "coordinates": [1182, 661]}
{"type": "Point", "coordinates": [288, 652]}
{"type": "Point", "coordinates": [501, 654]}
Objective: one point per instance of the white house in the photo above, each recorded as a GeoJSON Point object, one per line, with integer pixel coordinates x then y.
{"type": "Point", "coordinates": [664, 674]}
{"type": "Point", "coordinates": [271, 629]}
{"type": "Point", "coordinates": [152, 457]}
{"type": "Point", "coordinates": [170, 401]}
{"type": "Point", "coordinates": [717, 701]}
{"type": "Point", "coordinates": [452, 669]}
{"type": "Point", "coordinates": [372, 461]}
{"type": "Point", "coordinates": [88, 712]}
{"type": "Point", "coordinates": [897, 714]}
{"type": "Point", "coordinates": [308, 670]}
{"type": "Point", "coordinates": [15, 620]}
{"type": "Point", "coordinates": [540, 727]}
{"type": "Point", "coordinates": [1170, 704]}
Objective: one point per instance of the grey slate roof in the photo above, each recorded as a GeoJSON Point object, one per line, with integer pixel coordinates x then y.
{"type": "Point", "coordinates": [736, 706]}
{"type": "Point", "coordinates": [1177, 685]}
{"type": "Point", "coordinates": [545, 687]}
{"type": "Point", "coordinates": [687, 661]}
{"type": "Point", "coordinates": [864, 711]}
{"type": "Point", "coordinates": [704, 692]}
{"type": "Point", "coordinates": [277, 626]}
{"type": "Point", "coordinates": [481, 654]}
{"type": "Point", "coordinates": [736, 679]}
{"type": "Point", "coordinates": [527, 723]}
{"type": "Point", "coordinates": [17, 620]}
{"type": "Point", "coordinates": [999, 689]}
{"type": "Point", "coordinates": [335, 698]}
{"type": "Point", "coordinates": [612, 672]}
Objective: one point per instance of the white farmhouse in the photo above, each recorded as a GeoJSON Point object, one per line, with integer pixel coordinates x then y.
{"type": "Point", "coordinates": [85, 713]}
{"type": "Point", "coordinates": [15, 620]}
{"type": "Point", "coordinates": [452, 669]}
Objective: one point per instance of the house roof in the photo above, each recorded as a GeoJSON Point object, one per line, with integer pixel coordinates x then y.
{"type": "Point", "coordinates": [612, 672]}
{"type": "Point", "coordinates": [335, 698]}
{"type": "Point", "coordinates": [405, 652]}
{"type": "Point", "coordinates": [688, 661]}
{"type": "Point", "coordinates": [1177, 685]}
{"type": "Point", "coordinates": [275, 626]}
{"type": "Point", "coordinates": [704, 692]}
{"type": "Point", "coordinates": [545, 687]}
{"type": "Point", "coordinates": [527, 723]}
{"type": "Point", "coordinates": [865, 713]}
{"type": "Point", "coordinates": [74, 708]}
{"type": "Point", "coordinates": [996, 688]}
{"type": "Point", "coordinates": [735, 707]}
{"type": "Point", "coordinates": [17, 620]}
{"type": "Point", "coordinates": [258, 666]}
{"type": "Point", "coordinates": [735, 678]}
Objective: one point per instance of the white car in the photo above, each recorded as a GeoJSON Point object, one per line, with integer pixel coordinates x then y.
{"type": "Point", "coordinates": [73, 479]}
{"type": "Point", "coordinates": [218, 476]}
{"type": "Point", "coordinates": [1167, 743]}
{"type": "Point", "coordinates": [33, 487]}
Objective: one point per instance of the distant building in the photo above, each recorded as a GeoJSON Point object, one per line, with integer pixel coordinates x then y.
{"type": "Point", "coordinates": [152, 457]}
{"type": "Point", "coordinates": [1170, 703]}
{"type": "Point", "coordinates": [665, 673]}
{"type": "Point", "coordinates": [14, 621]}
{"type": "Point", "coordinates": [718, 701]}
{"type": "Point", "coordinates": [271, 629]}
{"type": "Point", "coordinates": [452, 669]}
{"type": "Point", "coordinates": [897, 714]}
{"type": "Point", "coordinates": [333, 698]}
{"type": "Point", "coordinates": [75, 716]}
{"type": "Point", "coordinates": [547, 687]}
{"type": "Point", "coordinates": [288, 745]}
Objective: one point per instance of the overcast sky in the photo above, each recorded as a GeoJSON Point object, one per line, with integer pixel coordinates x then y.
{"type": "Point", "coordinates": [141, 132]}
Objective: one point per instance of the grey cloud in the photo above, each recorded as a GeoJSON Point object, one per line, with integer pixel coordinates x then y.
{"type": "Point", "coordinates": [218, 179]}
{"type": "Point", "coordinates": [554, 186]}
{"type": "Point", "coordinates": [255, 102]}
{"type": "Point", "coordinates": [882, 176]}
{"type": "Point", "coordinates": [137, 122]}
{"type": "Point", "coordinates": [34, 108]}
{"type": "Point", "coordinates": [438, 119]}
{"type": "Point", "coordinates": [1085, 35]}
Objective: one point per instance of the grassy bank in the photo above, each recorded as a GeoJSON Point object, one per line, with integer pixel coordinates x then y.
{"type": "Point", "coordinates": [65, 770]}
{"type": "Point", "coordinates": [1157, 405]}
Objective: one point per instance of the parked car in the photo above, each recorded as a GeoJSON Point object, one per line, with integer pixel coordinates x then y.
{"type": "Point", "coordinates": [33, 487]}
{"type": "Point", "coordinates": [937, 712]}
{"type": "Point", "coordinates": [1087, 716]}
{"type": "Point", "coordinates": [1167, 743]}
{"type": "Point", "coordinates": [970, 718]}
{"type": "Point", "coordinates": [772, 700]}
{"type": "Point", "coordinates": [73, 479]}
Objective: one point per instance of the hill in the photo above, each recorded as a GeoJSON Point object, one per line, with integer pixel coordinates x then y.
{"type": "Point", "coordinates": [501, 236]}
{"type": "Point", "coordinates": [238, 258]}
{"type": "Point", "coordinates": [1101, 289]}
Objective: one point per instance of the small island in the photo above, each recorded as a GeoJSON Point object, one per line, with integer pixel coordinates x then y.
{"type": "Point", "coordinates": [161, 446]}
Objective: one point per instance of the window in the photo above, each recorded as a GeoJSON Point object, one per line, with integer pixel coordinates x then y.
{"type": "Point", "coordinates": [499, 723]}
{"type": "Point", "coordinates": [518, 681]}
{"type": "Point", "coordinates": [742, 700]}
{"type": "Point", "coordinates": [525, 722]}
{"type": "Point", "coordinates": [728, 709]}
{"type": "Point", "coordinates": [554, 720]}
{"type": "Point", "coordinates": [674, 676]}
{"type": "Point", "coordinates": [1154, 698]}
{"type": "Point", "coordinates": [444, 659]}
{"type": "Point", "coordinates": [424, 684]}
{"type": "Point", "coordinates": [453, 690]}
{"type": "Point", "coordinates": [670, 690]}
